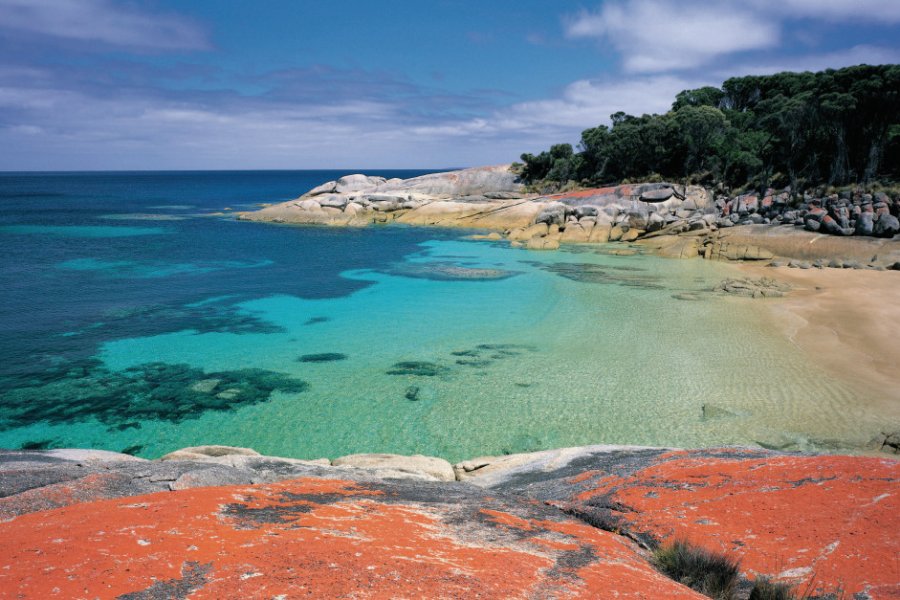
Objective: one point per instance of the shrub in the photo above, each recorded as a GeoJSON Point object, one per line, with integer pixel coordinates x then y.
{"type": "Point", "coordinates": [763, 589]}
{"type": "Point", "coordinates": [711, 574]}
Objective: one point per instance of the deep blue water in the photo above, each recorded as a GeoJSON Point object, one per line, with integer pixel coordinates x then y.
{"type": "Point", "coordinates": [89, 257]}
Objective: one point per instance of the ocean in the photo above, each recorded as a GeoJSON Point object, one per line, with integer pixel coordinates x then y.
{"type": "Point", "coordinates": [139, 315]}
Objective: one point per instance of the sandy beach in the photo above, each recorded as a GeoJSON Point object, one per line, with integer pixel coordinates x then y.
{"type": "Point", "coordinates": [846, 320]}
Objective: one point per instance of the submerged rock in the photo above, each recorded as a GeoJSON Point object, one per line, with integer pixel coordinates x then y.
{"type": "Point", "coordinates": [316, 320]}
{"type": "Point", "coordinates": [322, 357]}
{"type": "Point", "coordinates": [711, 411]}
{"type": "Point", "coordinates": [206, 386]}
{"type": "Point", "coordinates": [689, 296]}
{"type": "Point", "coordinates": [886, 441]}
{"type": "Point", "coordinates": [753, 288]}
{"type": "Point", "coordinates": [602, 274]}
{"type": "Point", "coordinates": [476, 362]}
{"type": "Point", "coordinates": [445, 271]}
{"type": "Point", "coordinates": [417, 368]}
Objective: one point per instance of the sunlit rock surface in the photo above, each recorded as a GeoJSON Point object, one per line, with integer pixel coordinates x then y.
{"type": "Point", "coordinates": [574, 522]}
{"type": "Point", "coordinates": [826, 523]}
{"type": "Point", "coordinates": [674, 220]}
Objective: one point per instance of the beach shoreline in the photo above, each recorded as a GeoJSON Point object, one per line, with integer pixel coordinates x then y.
{"type": "Point", "coordinates": [845, 321]}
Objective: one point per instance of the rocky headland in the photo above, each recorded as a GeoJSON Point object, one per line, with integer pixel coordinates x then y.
{"type": "Point", "coordinates": [222, 522]}
{"type": "Point", "coordinates": [847, 230]}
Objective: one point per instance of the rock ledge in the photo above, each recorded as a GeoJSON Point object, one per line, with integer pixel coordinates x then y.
{"type": "Point", "coordinates": [574, 522]}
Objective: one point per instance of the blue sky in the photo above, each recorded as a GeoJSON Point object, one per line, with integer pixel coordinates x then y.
{"type": "Point", "coordinates": [277, 84]}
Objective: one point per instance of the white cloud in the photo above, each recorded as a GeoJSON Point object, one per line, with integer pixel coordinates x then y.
{"type": "Point", "coordinates": [53, 127]}
{"type": "Point", "coordinates": [655, 36]}
{"type": "Point", "coordinates": [862, 54]}
{"type": "Point", "coordinates": [659, 35]}
{"type": "Point", "coordinates": [532, 126]}
{"type": "Point", "coordinates": [588, 103]}
{"type": "Point", "coordinates": [875, 11]}
{"type": "Point", "coordinates": [101, 21]}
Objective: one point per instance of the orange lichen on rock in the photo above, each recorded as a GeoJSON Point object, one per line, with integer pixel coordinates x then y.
{"type": "Point", "coordinates": [826, 523]}
{"type": "Point", "coordinates": [591, 192]}
{"type": "Point", "coordinates": [829, 522]}
{"type": "Point", "coordinates": [319, 538]}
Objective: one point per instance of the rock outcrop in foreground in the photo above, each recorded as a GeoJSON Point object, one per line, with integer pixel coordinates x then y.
{"type": "Point", "coordinates": [578, 522]}
{"type": "Point", "coordinates": [673, 220]}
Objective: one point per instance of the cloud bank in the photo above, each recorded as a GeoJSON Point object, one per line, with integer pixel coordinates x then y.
{"type": "Point", "coordinates": [79, 88]}
{"type": "Point", "coordinates": [101, 21]}
{"type": "Point", "coordinates": [654, 36]}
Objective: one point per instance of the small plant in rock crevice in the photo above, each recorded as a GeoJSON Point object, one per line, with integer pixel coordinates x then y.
{"type": "Point", "coordinates": [711, 574]}
{"type": "Point", "coordinates": [765, 589]}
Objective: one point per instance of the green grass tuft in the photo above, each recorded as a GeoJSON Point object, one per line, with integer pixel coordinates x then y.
{"type": "Point", "coordinates": [711, 574]}
{"type": "Point", "coordinates": [763, 589]}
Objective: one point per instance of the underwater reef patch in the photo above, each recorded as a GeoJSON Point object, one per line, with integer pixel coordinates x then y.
{"type": "Point", "coordinates": [82, 231]}
{"type": "Point", "coordinates": [448, 271]}
{"type": "Point", "coordinates": [523, 442]}
{"type": "Point", "coordinates": [484, 355]}
{"type": "Point", "coordinates": [473, 362]}
{"type": "Point", "coordinates": [315, 320]}
{"type": "Point", "coordinates": [214, 317]}
{"type": "Point", "coordinates": [153, 391]}
{"type": "Point", "coordinates": [479, 357]}
{"type": "Point", "coordinates": [40, 444]}
{"type": "Point", "coordinates": [418, 368]}
{"type": "Point", "coordinates": [322, 357]}
{"type": "Point", "coordinates": [592, 273]}
{"type": "Point", "coordinates": [142, 217]}
{"type": "Point", "coordinates": [148, 269]}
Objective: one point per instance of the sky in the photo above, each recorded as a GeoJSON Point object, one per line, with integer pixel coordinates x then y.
{"type": "Point", "coordinates": [302, 84]}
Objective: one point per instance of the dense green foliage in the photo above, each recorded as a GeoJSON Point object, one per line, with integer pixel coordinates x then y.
{"type": "Point", "coordinates": [833, 127]}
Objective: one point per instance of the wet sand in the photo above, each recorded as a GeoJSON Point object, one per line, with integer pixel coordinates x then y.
{"type": "Point", "coordinates": [847, 321]}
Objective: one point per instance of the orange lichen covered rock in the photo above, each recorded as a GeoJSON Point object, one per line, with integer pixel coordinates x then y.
{"type": "Point", "coordinates": [320, 538]}
{"type": "Point", "coordinates": [566, 523]}
{"type": "Point", "coordinates": [833, 522]}
{"type": "Point", "coordinates": [829, 524]}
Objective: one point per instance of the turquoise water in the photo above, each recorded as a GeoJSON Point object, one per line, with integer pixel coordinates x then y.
{"type": "Point", "coordinates": [312, 342]}
{"type": "Point", "coordinates": [96, 231]}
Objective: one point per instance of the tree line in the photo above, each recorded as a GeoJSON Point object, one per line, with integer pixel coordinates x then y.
{"type": "Point", "coordinates": [833, 127]}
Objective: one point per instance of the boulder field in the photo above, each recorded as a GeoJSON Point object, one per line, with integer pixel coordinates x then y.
{"type": "Point", "coordinates": [846, 230]}
{"type": "Point", "coordinates": [221, 522]}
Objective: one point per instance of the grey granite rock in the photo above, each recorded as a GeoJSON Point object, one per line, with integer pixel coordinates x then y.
{"type": "Point", "coordinates": [40, 480]}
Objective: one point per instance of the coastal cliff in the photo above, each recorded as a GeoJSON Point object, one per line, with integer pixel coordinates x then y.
{"type": "Point", "coordinates": [213, 522]}
{"type": "Point", "coordinates": [847, 230]}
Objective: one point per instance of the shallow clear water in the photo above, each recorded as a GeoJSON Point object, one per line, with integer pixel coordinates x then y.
{"type": "Point", "coordinates": [131, 322]}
